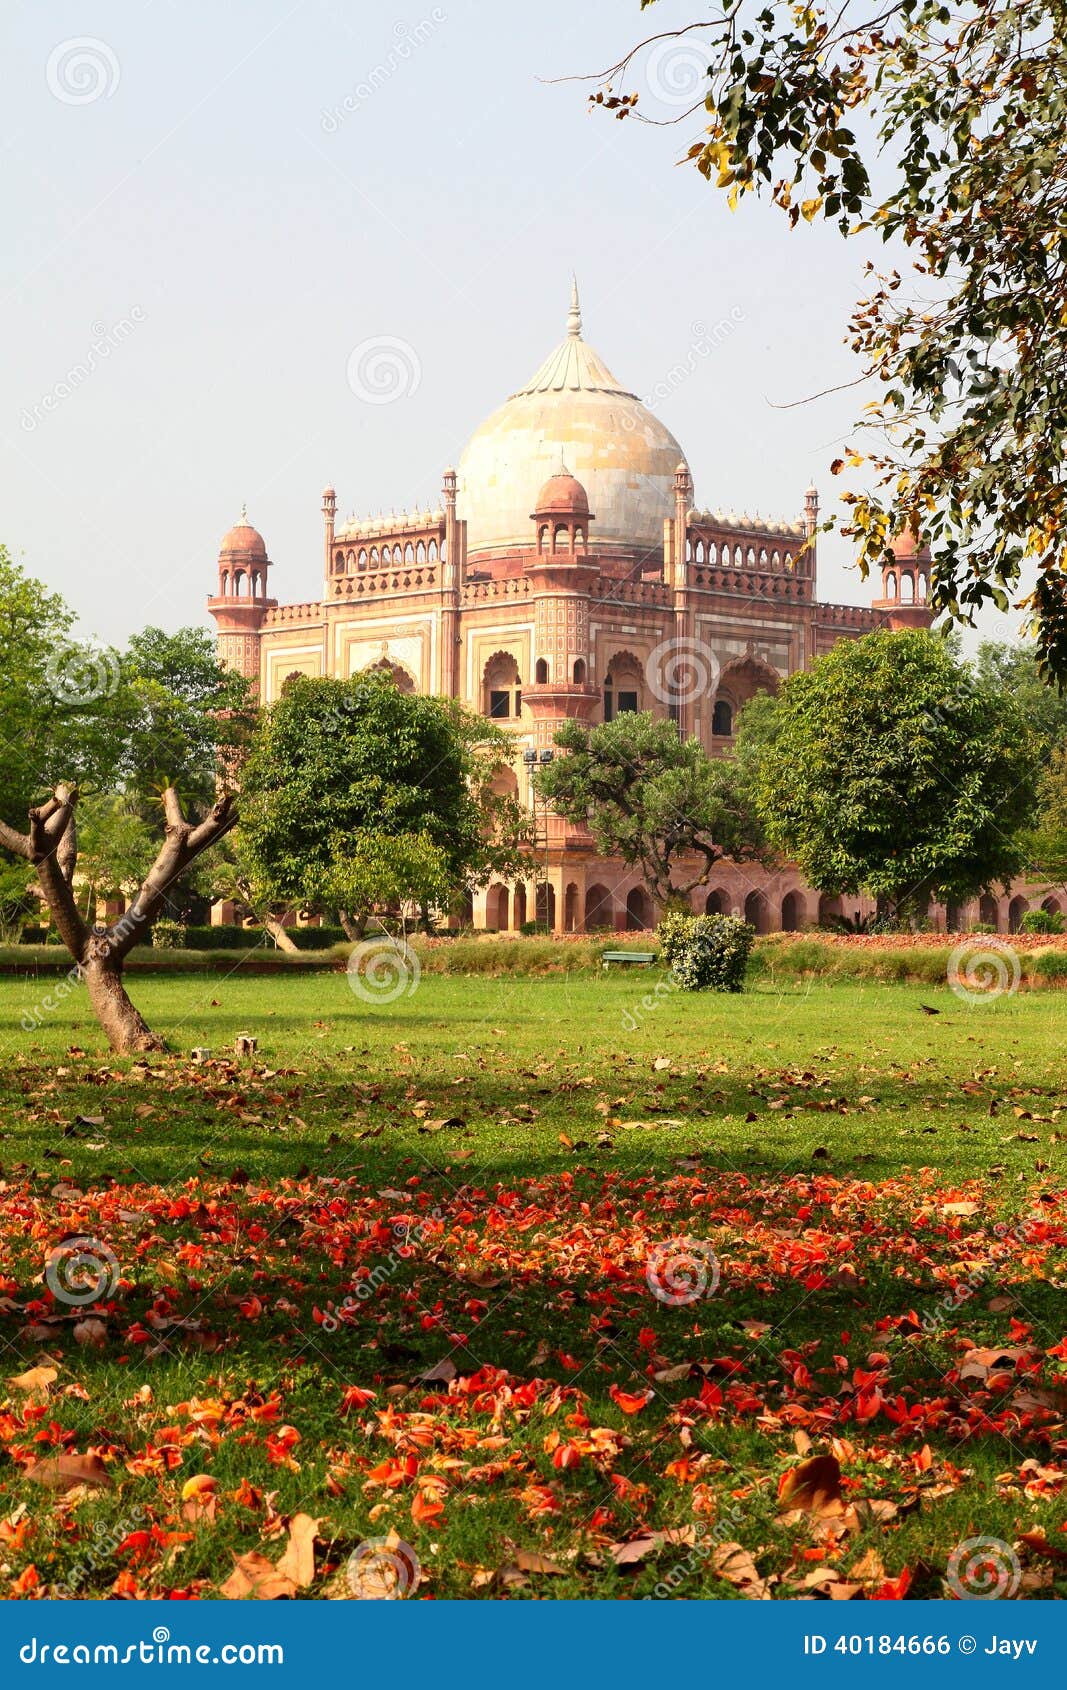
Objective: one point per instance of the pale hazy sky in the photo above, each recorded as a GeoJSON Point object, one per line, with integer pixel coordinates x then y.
{"type": "Point", "coordinates": [208, 207]}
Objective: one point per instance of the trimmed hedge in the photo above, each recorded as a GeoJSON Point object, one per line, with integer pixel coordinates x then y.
{"type": "Point", "coordinates": [248, 938]}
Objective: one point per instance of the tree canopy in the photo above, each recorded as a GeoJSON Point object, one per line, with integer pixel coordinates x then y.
{"type": "Point", "coordinates": [894, 769]}
{"type": "Point", "coordinates": [943, 132]}
{"type": "Point", "coordinates": [338, 769]}
{"type": "Point", "coordinates": [657, 801]}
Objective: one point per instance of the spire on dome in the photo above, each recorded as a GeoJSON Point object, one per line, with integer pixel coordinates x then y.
{"type": "Point", "coordinates": [574, 315]}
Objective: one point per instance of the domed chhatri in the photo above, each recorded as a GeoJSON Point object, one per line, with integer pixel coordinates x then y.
{"type": "Point", "coordinates": [562, 495]}
{"type": "Point", "coordinates": [243, 539]}
{"type": "Point", "coordinates": [620, 452]}
{"type": "Point", "coordinates": [566, 571]}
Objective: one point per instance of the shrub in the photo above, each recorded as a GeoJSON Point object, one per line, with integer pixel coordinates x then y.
{"type": "Point", "coordinates": [168, 935]}
{"type": "Point", "coordinates": [1041, 921]}
{"type": "Point", "coordinates": [1050, 965]}
{"type": "Point", "coordinates": [983, 927]}
{"type": "Point", "coordinates": [707, 952]}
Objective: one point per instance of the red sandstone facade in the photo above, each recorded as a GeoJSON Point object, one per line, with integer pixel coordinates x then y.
{"type": "Point", "coordinates": [619, 595]}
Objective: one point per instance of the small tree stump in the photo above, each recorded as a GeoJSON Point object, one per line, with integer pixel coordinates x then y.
{"type": "Point", "coordinates": [245, 1045]}
{"type": "Point", "coordinates": [200, 1053]}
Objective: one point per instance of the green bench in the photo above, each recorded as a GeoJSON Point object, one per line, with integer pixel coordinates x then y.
{"type": "Point", "coordinates": [637, 959]}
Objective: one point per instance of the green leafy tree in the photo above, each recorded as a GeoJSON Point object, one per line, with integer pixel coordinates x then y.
{"type": "Point", "coordinates": [181, 711]}
{"type": "Point", "coordinates": [17, 902]}
{"type": "Point", "coordinates": [656, 801]}
{"type": "Point", "coordinates": [116, 847]}
{"type": "Point", "coordinates": [894, 770]}
{"type": "Point", "coordinates": [943, 132]}
{"type": "Point", "coordinates": [1046, 844]}
{"type": "Point", "coordinates": [337, 768]}
{"type": "Point", "coordinates": [56, 695]}
{"type": "Point", "coordinates": [1011, 668]}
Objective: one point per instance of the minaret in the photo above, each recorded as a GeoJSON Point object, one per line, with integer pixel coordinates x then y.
{"type": "Point", "coordinates": [811, 510]}
{"type": "Point", "coordinates": [241, 604]}
{"type": "Point", "coordinates": [329, 512]}
{"type": "Point", "coordinates": [452, 570]}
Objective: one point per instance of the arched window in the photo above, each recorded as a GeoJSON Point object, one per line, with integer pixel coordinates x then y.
{"type": "Point", "coordinates": [907, 587]}
{"type": "Point", "coordinates": [725, 558]}
{"type": "Point", "coordinates": [623, 686]}
{"type": "Point", "coordinates": [579, 671]}
{"type": "Point", "coordinates": [394, 672]}
{"type": "Point", "coordinates": [543, 537]}
{"type": "Point", "coordinates": [339, 562]}
{"type": "Point", "coordinates": [420, 552]}
{"type": "Point", "coordinates": [561, 540]}
{"type": "Point", "coordinates": [409, 553]}
{"type": "Point", "coordinates": [541, 672]}
{"type": "Point", "coordinates": [433, 551]}
{"type": "Point", "coordinates": [890, 586]}
{"type": "Point", "coordinates": [374, 560]}
{"type": "Point", "coordinates": [722, 718]}
{"type": "Point", "coordinates": [362, 561]}
{"type": "Point", "coordinates": [579, 539]}
{"type": "Point", "coordinates": [501, 687]}
{"type": "Point", "coordinates": [922, 589]}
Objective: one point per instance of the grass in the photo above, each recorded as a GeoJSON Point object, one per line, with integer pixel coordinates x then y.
{"type": "Point", "coordinates": [469, 1182]}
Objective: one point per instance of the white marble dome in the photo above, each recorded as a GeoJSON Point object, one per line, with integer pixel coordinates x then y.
{"type": "Point", "coordinates": [572, 414]}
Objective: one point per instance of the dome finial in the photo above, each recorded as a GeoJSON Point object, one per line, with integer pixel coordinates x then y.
{"type": "Point", "coordinates": [574, 316]}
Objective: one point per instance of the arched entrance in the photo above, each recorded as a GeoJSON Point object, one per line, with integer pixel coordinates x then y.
{"type": "Point", "coordinates": [599, 910]}
{"type": "Point", "coordinates": [1051, 906]}
{"type": "Point", "coordinates": [570, 908]}
{"type": "Point", "coordinates": [829, 911]}
{"type": "Point", "coordinates": [1016, 910]}
{"type": "Point", "coordinates": [989, 912]}
{"type": "Point", "coordinates": [519, 905]}
{"type": "Point", "coordinates": [716, 903]}
{"type": "Point", "coordinates": [758, 912]}
{"type": "Point", "coordinates": [793, 912]}
{"type": "Point", "coordinates": [546, 907]}
{"type": "Point", "coordinates": [638, 911]}
{"type": "Point", "coordinates": [496, 908]}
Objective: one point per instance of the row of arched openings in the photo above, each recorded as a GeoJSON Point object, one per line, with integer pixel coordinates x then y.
{"type": "Point", "coordinates": [386, 557]}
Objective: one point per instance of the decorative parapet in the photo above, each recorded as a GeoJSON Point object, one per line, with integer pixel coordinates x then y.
{"type": "Point", "coordinates": [479, 592]}
{"type": "Point", "coordinates": [286, 614]}
{"type": "Point", "coordinates": [420, 579]}
{"type": "Point", "coordinates": [847, 616]}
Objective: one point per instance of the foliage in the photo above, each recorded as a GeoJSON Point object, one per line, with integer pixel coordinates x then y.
{"type": "Point", "coordinates": [115, 846]}
{"type": "Point", "coordinates": [1046, 843]}
{"type": "Point", "coordinates": [1042, 921]}
{"type": "Point", "coordinates": [377, 871]}
{"type": "Point", "coordinates": [339, 769]}
{"type": "Point", "coordinates": [652, 799]}
{"type": "Point", "coordinates": [941, 131]}
{"type": "Point", "coordinates": [55, 696]}
{"type": "Point", "coordinates": [896, 772]}
{"type": "Point", "coordinates": [17, 901]}
{"type": "Point", "coordinates": [1043, 707]}
{"type": "Point", "coordinates": [168, 935]}
{"type": "Point", "coordinates": [706, 952]}
{"type": "Point", "coordinates": [180, 709]}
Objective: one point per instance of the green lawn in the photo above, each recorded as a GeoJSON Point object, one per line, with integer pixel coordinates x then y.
{"type": "Point", "coordinates": [471, 1182]}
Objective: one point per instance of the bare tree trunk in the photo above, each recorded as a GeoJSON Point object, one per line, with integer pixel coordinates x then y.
{"type": "Point", "coordinates": [353, 930]}
{"type": "Point", "coordinates": [278, 933]}
{"type": "Point", "coordinates": [125, 1026]}
{"type": "Point", "coordinates": [51, 845]}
